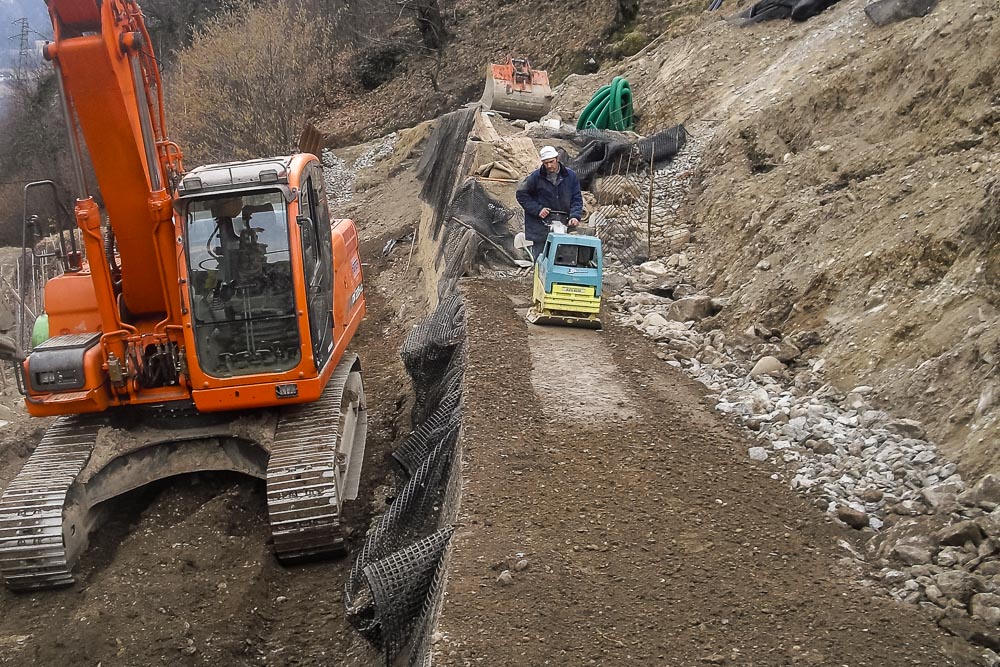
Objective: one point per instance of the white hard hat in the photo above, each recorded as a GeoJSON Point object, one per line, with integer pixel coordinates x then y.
{"type": "Point", "coordinates": [547, 153]}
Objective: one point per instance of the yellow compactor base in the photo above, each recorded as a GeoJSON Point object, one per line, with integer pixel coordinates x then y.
{"type": "Point", "coordinates": [562, 319]}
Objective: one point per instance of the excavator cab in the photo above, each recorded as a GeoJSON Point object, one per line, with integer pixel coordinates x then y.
{"type": "Point", "coordinates": [248, 228]}
{"type": "Point", "coordinates": [242, 301]}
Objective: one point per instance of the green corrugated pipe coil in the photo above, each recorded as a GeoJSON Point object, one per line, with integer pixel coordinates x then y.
{"type": "Point", "coordinates": [609, 109]}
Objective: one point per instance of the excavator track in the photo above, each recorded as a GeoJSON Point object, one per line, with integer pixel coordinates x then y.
{"type": "Point", "coordinates": [315, 465]}
{"type": "Point", "coordinates": [316, 455]}
{"type": "Point", "coordinates": [33, 550]}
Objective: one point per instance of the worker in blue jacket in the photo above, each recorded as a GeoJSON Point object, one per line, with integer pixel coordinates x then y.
{"type": "Point", "coordinates": [551, 187]}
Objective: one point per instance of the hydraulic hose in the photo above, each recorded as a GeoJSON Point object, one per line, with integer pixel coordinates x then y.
{"type": "Point", "coordinates": [609, 109]}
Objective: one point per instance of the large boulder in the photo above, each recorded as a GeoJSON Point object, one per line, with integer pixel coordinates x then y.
{"type": "Point", "coordinates": [691, 308]}
{"type": "Point", "coordinates": [959, 585]}
{"type": "Point", "coordinates": [959, 533]}
{"type": "Point", "coordinates": [986, 492]}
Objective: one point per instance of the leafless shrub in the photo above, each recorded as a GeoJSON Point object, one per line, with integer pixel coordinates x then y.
{"type": "Point", "coordinates": [247, 83]}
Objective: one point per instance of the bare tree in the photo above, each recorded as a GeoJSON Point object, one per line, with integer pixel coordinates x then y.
{"type": "Point", "coordinates": [430, 22]}
{"type": "Point", "coordinates": [247, 83]}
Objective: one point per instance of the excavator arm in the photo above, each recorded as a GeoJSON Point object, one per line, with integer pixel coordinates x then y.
{"type": "Point", "coordinates": [111, 89]}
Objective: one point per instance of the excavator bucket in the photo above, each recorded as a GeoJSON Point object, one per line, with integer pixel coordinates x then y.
{"type": "Point", "coordinates": [513, 88]}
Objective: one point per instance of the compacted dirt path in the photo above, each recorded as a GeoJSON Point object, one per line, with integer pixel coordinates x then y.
{"type": "Point", "coordinates": [633, 529]}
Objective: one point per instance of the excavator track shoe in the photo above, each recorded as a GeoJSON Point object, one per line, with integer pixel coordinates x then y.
{"type": "Point", "coordinates": [39, 538]}
{"type": "Point", "coordinates": [315, 466]}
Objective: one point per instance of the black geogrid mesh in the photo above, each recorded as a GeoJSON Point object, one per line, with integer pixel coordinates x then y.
{"type": "Point", "coordinates": [394, 588]}
{"type": "Point", "coordinates": [443, 160]}
{"type": "Point", "coordinates": [419, 445]}
{"type": "Point", "coordinates": [473, 208]}
{"type": "Point", "coordinates": [399, 586]}
{"type": "Point", "coordinates": [411, 517]}
{"type": "Point", "coordinates": [477, 234]}
{"type": "Point", "coordinates": [428, 354]}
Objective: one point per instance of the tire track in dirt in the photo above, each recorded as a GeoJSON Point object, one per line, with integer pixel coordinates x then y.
{"type": "Point", "coordinates": [568, 385]}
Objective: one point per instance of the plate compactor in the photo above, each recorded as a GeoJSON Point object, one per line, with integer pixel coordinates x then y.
{"type": "Point", "coordinates": [567, 284]}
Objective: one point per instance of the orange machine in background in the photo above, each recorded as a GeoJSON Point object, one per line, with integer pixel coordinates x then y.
{"type": "Point", "coordinates": [516, 90]}
{"type": "Point", "coordinates": [224, 289]}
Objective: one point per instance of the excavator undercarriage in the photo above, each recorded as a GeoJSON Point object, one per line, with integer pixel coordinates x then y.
{"type": "Point", "coordinates": [310, 456]}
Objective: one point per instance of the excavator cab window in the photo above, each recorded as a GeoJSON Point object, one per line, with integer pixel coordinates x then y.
{"type": "Point", "coordinates": [317, 261]}
{"type": "Point", "coordinates": [242, 296]}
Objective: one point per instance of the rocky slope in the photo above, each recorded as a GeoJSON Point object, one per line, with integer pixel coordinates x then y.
{"type": "Point", "coordinates": [848, 194]}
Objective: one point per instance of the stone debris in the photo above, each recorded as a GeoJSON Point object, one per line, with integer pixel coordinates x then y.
{"type": "Point", "coordinates": [936, 540]}
{"type": "Point", "coordinates": [378, 150]}
{"type": "Point", "coordinates": [341, 177]}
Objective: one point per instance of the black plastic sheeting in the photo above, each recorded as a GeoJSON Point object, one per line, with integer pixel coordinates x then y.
{"type": "Point", "coordinates": [442, 161]}
{"type": "Point", "coordinates": [606, 152]}
{"type": "Point", "coordinates": [769, 10]}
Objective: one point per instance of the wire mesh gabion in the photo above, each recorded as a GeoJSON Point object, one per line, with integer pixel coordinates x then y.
{"type": "Point", "coordinates": [620, 174]}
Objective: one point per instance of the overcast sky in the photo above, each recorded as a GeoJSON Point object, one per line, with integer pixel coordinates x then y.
{"type": "Point", "coordinates": [33, 10]}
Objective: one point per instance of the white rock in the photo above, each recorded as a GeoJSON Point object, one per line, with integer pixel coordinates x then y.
{"type": "Point", "coordinates": [653, 268]}
{"type": "Point", "coordinates": [767, 366]}
{"type": "Point", "coordinates": [654, 320]}
{"type": "Point", "coordinates": [757, 453]}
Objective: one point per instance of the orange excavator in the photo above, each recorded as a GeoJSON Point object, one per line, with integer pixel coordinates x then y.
{"type": "Point", "coordinates": [203, 326]}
